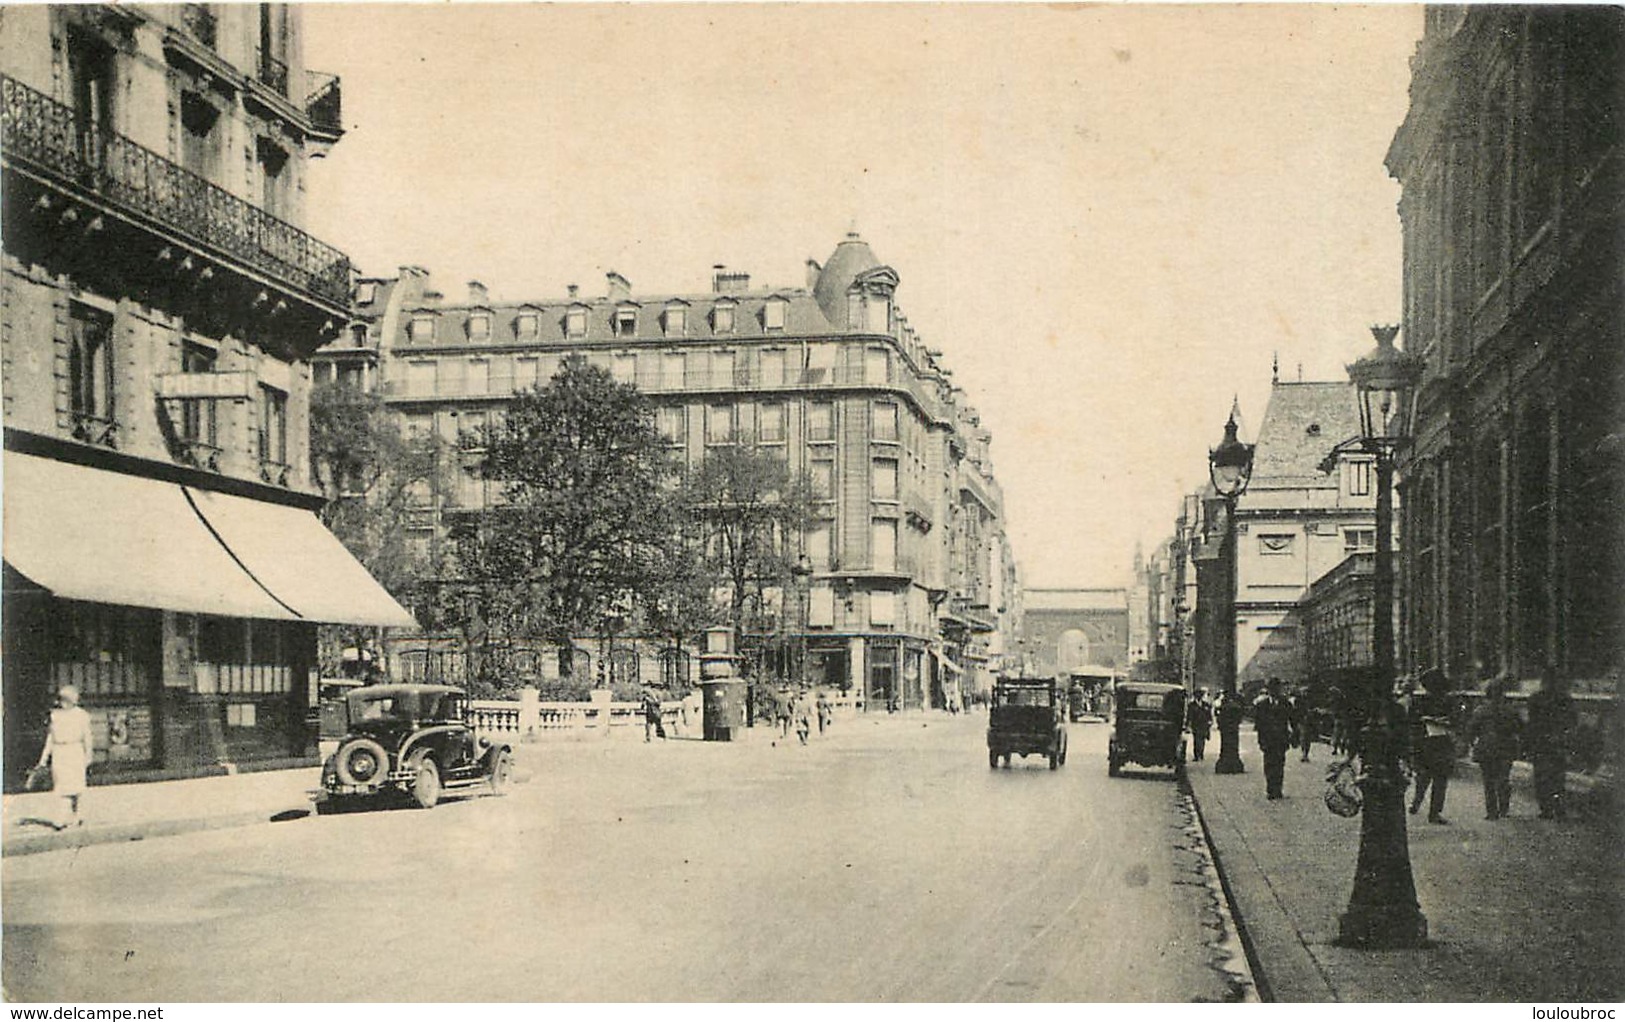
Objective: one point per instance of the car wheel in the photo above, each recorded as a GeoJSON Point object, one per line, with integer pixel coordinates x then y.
{"type": "Point", "coordinates": [426, 783]}
{"type": "Point", "coordinates": [1113, 767]}
{"type": "Point", "coordinates": [1055, 761]}
{"type": "Point", "coordinates": [992, 759]}
{"type": "Point", "coordinates": [1007, 761]}
{"type": "Point", "coordinates": [1063, 749]}
{"type": "Point", "coordinates": [361, 761]}
{"type": "Point", "coordinates": [501, 772]}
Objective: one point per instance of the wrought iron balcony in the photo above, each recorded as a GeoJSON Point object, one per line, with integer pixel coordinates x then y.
{"type": "Point", "coordinates": [274, 73]}
{"type": "Point", "coordinates": [201, 23]}
{"type": "Point", "coordinates": [43, 136]}
{"type": "Point", "coordinates": [323, 102]}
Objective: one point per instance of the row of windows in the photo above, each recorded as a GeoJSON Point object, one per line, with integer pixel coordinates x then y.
{"type": "Point", "coordinates": [651, 371]}
{"type": "Point", "coordinates": [92, 392]}
{"type": "Point", "coordinates": [623, 322]}
{"type": "Point", "coordinates": [865, 312]}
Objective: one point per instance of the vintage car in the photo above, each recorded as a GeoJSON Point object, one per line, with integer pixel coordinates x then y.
{"type": "Point", "coordinates": [1149, 727]}
{"type": "Point", "coordinates": [411, 740]}
{"type": "Point", "coordinates": [1025, 717]}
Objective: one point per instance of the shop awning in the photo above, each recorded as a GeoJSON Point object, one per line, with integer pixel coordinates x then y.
{"type": "Point", "coordinates": [294, 556]}
{"type": "Point", "coordinates": [103, 537]}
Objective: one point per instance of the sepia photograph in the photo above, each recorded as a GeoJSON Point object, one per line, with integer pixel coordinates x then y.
{"type": "Point", "coordinates": [790, 504]}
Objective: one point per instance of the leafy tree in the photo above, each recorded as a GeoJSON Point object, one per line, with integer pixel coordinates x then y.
{"type": "Point", "coordinates": [750, 512]}
{"type": "Point", "coordinates": [581, 518]}
{"type": "Point", "coordinates": [369, 473]}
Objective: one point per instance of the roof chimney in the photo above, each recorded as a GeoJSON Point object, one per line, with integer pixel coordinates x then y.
{"type": "Point", "coordinates": [477, 295]}
{"type": "Point", "coordinates": [813, 270]}
{"type": "Point", "coordinates": [724, 280]}
{"type": "Point", "coordinates": [573, 289]}
{"type": "Point", "coordinates": [619, 286]}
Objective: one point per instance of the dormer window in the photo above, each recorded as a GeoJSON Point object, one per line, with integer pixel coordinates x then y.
{"type": "Point", "coordinates": [358, 335]}
{"type": "Point", "coordinates": [422, 329]}
{"type": "Point", "coordinates": [526, 325]}
{"type": "Point", "coordinates": [773, 314]}
{"type": "Point", "coordinates": [479, 326]}
{"type": "Point", "coordinates": [722, 319]}
{"type": "Point", "coordinates": [877, 314]}
{"type": "Point", "coordinates": [575, 323]}
{"type": "Point", "coordinates": [676, 321]}
{"type": "Point", "coordinates": [366, 292]}
{"type": "Point", "coordinates": [626, 321]}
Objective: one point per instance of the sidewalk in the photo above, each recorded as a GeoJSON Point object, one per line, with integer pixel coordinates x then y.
{"type": "Point", "coordinates": [1518, 910]}
{"type": "Point", "coordinates": [130, 812]}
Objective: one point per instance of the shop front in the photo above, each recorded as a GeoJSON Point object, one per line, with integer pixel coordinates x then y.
{"type": "Point", "coordinates": [185, 617]}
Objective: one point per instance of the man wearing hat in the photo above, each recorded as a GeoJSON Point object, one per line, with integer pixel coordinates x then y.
{"type": "Point", "coordinates": [1435, 747]}
{"type": "Point", "coordinates": [1272, 719]}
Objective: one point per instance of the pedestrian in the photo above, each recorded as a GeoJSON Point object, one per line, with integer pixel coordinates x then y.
{"type": "Point", "coordinates": [68, 751]}
{"type": "Point", "coordinates": [1494, 731]}
{"type": "Point", "coordinates": [824, 711]}
{"type": "Point", "coordinates": [1272, 720]}
{"type": "Point", "coordinates": [781, 711]}
{"type": "Point", "coordinates": [1432, 743]}
{"type": "Point", "coordinates": [1306, 725]}
{"type": "Point", "coordinates": [802, 713]}
{"type": "Point", "coordinates": [1551, 719]}
{"type": "Point", "coordinates": [652, 724]}
{"type": "Point", "coordinates": [1199, 718]}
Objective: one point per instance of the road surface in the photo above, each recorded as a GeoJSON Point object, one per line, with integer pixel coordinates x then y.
{"type": "Point", "coordinates": [882, 862]}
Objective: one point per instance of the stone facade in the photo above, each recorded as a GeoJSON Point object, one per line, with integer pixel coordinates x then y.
{"type": "Point", "coordinates": [914, 580]}
{"type": "Point", "coordinates": [1511, 168]}
{"type": "Point", "coordinates": [158, 303]}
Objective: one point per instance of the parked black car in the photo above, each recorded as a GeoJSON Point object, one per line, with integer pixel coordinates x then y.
{"type": "Point", "coordinates": [1149, 727]}
{"type": "Point", "coordinates": [1025, 717]}
{"type": "Point", "coordinates": [413, 740]}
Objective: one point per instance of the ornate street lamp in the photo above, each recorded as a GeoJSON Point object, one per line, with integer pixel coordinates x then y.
{"type": "Point", "coordinates": [802, 572]}
{"type": "Point", "coordinates": [1383, 911]}
{"type": "Point", "coordinates": [1230, 467]}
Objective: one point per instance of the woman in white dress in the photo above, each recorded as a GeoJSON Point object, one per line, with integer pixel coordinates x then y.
{"type": "Point", "coordinates": [68, 750]}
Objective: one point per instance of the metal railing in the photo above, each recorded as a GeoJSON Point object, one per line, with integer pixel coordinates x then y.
{"type": "Point", "coordinates": [273, 73]}
{"type": "Point", "coordinates": [38, 130]}
{"type": "Point", "coordinates": [323, 100]}
{"type": "Point", "coordinates": [201, 23]}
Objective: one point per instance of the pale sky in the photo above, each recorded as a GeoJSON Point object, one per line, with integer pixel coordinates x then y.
{"type": "Point", "coordinates": [1107, 217]}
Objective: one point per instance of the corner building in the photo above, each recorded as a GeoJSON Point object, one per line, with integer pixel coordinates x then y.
{"type": "Point", "coordinates": [158, 306]}
{"type": "Point", "coordinates": [913, 591]}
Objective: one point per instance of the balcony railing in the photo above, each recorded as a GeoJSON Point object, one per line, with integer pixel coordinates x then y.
{"type": "Point", "coordinates": [45, 134]}
{"type": "Point", "coordinates": [322, 101]}
{"type": "Point", "coordinates": [274, 74]}
{"type": "Point", "coordinates": [201, 23]}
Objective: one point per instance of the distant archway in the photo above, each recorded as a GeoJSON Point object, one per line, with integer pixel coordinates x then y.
{"type": "Point", "coordinates": [1072, 649]}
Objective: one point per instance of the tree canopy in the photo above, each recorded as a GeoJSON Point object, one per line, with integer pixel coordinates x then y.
{"type": "Point", "coordinates": [579, 516]}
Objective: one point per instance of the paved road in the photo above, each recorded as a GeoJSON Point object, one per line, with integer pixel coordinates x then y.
{"type": "Point", "coordinates": [884, 862]}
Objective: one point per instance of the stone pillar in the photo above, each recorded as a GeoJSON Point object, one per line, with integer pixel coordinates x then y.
{"type": "Point", "coordinates": [600, 698]}
{"type": "Point", "coordinates": [530, 713]}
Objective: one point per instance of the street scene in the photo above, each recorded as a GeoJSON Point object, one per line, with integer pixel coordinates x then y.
{"type": "Point", "coordinates": [788, 503]}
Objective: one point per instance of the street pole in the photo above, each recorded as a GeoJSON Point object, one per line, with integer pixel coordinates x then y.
{"type": "Point", "coordinates": [1230, 467]}
{"type": "Point", "coordinates": [1382, 911]}
{"type": "Point", "coordinates": [1230, 721]}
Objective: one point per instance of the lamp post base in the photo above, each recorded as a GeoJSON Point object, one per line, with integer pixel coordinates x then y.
{"type": "Point", "coordinates": [1382, 927]}
{"type": "Point", "coordinates": [1382, 912]}
{"type": "Point", "coordinates": [1229, 752]}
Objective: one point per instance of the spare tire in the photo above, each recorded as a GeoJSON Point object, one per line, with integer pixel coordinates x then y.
{"type": "Point", "coordinates": [362, 761]}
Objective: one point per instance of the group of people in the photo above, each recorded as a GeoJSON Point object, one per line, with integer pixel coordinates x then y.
{"type": "Point", "coordinates": [799, 709]}
{"type": "Point", "coordinates": [1430, 717]}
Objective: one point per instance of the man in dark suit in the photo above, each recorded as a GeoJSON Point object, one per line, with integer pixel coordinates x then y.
{"type": "Point", "coordinates": [1272, 720]}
